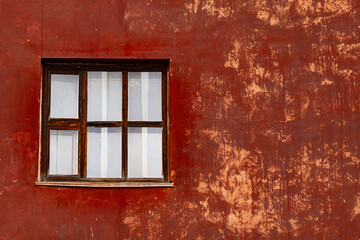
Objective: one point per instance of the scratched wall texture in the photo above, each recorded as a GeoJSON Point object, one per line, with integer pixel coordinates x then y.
{"type": "Point", "coordinates": [265, 99]}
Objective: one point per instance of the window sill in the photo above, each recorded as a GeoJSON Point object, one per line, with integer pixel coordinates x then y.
{"type": "Point", "coordinates": [106, 184]}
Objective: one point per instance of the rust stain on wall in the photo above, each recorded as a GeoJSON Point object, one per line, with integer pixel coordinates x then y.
{"type": "Point", "coordinates": [264, 104]}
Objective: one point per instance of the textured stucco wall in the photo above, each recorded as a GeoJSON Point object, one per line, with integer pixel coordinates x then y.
{"type": "Point", "coordinates": [264, 104]}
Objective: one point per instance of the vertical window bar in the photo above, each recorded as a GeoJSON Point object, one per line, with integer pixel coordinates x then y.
{"type": "Point", "coordinates": [124, 130]}
{"type": "Point", "coordinates": [165, 153]}
{"type": "Point", "coordinates": [45, 133]}
{"type": "Point", "coordinates": [83, 129]}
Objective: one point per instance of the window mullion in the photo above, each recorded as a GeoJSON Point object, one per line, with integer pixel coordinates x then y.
{"type": "Point", "coordinates": [83, 128]}
{"type": "Point", "coordinates": [45, 132]}
{"type": "Point", "coordinates": [165, 109]}
{"type": "Point", "coordinates": [125, 120]}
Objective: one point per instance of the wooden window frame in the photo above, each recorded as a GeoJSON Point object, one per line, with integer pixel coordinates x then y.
{"type": "Point", "coordinates": [81, 67]}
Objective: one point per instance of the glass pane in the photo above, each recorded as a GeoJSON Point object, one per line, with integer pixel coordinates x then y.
{"type": "Point", "coordinates": [64, 94]}
{"type": "Point", "coordinates": [104, 152]}
{"type": "Point", "coordinates": [144, 152]}
{"type": "Point", "coordinates": [144, 96]}
{"type": "Point", "coordinates": [63, 152]}
{"type": "Point", "coordinates": [104, 96]}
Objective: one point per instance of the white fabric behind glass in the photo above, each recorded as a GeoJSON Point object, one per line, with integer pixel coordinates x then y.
{"type": "Point", "coordinates": [64, 100]}
{"type": "Point", "coordinates": [104, 96]}
{"type": "Point", "coordinates": [145, 152]}
{"type": "Point", "coordinates": [104, 152]}
{"type": "Point", "coordinates": [63, 152]}
{"type": "Point", "coordinates": [144, 102]}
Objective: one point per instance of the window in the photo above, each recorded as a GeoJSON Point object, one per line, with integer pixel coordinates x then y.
{"type": "Point", "coordinates": [104, 123]}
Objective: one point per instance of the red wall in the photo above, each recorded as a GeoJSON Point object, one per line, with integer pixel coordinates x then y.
{"type": "Point", "coordinates": [264, 118]}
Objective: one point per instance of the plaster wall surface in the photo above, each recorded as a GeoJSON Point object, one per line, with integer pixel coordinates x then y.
{"type": "Point", "coordinates": [264, 118]}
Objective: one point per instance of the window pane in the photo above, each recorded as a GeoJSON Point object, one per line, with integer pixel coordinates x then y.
{"type": "Point", "coordinates": [144, 152]}
{"type": "Point", "coordinates": [104, 152]}
{"type": "Point", "coordinates": [104, 96]}
{"type": "Point", "coordinates": [63, 152]}
{"type": "Point", "coordinates": [144, 96]}
{"type": "Point", "coordinates": [64, 94]}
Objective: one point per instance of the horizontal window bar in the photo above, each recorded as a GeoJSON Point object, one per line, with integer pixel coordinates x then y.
{"type": "Point", "coordinates": [102, 179]}
{"type": "Point", "coordinates": [144, 124]}
{"type": "Point", "coordinates": [64, 72]}
{"type": "Point", "coordinates": [63, 124]}
{"type": "Point", "coordinates": [68, 120]}
{"type": "Point", "coordinates": [62, 177]}
{"type": "Point", "coordinates": [106, 62]}
{"type": "Point", "coordinates": [104, 124]}
{"type": "Point", "coordinates": [145, 180]}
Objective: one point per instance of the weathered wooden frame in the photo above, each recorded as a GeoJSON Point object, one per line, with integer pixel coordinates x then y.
{"type": "Point", "coordinates": [80, 67]}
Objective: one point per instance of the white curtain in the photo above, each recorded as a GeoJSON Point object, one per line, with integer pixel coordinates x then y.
{"type": "Point", "coordinates": [145, 152]}
{"type": "Point", "coordinates": [104, 96]}
{"type": "Point", "coordinates": [104, 152]}
{"type": "Point", "coordinates": [63, 152]}
{"type": "Point", "coordinates": [144, 95]}
{"type": "Point", "coordinates": [64, 96]}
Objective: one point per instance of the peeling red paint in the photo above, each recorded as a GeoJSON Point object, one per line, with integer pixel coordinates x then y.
{"type": "Point", "coordinates": [264, 103]}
